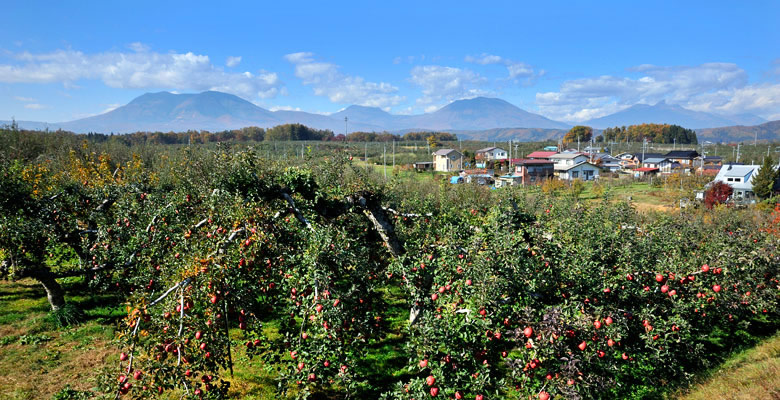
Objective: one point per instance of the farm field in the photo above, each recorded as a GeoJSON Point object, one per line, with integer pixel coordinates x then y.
{"type": "Point", "coordinates": [215, 272]}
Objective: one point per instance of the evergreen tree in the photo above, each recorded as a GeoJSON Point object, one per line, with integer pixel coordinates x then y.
{"type": "Point", "coordinates": [765, 179]}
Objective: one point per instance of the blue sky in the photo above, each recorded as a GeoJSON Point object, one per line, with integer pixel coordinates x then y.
{"type": "Point", "coordinates": [567, 60]}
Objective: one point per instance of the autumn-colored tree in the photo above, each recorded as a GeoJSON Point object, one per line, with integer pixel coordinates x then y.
{"type": "Point", "coordinates": [579, 132]}
{"type": "Point", "coordinates": [717, 194]}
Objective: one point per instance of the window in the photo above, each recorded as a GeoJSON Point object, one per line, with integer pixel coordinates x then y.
{"type": "Point", "coordinates": [575, 174]}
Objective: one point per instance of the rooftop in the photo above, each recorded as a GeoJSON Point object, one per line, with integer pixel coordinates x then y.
{"type": "Point", "coordinates": [542, 154]}
{"type": "Point", "coordinates": [567, 156]}
{"type": "Point", "coordinates": [526, 161]}
{"type": "Point", "coordinates": [444, 152]}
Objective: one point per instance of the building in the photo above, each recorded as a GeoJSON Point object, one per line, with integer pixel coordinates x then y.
{"type": "Point", "coordinates": [684, 157]}
{"type": "Point", "coordinates": [509, 180]}
{"type": "Point", "coordinates": [740, 178]}
{"type": "Point", "coordinates": [645, 171]}
{"type": "Point", "coordinates": [541, 155]}
{"type": "Point", "coordinates": [551, 148]}
{"type": "Point", "coordinates": [534, 171]}
{"type": "Point", "coordinates": [584, 170]}
{"type": "Point", "coordinates": [423, 166]}
{"type": "Point", "coordinates": [447, 160]}
{"type": "Point", "coordinates": [566, 160]}
{"type": "Point", "coordinates": [661, 163]}
{"type": "Point", "coordinates": [491, 154]}
{"type": "Point", "coordinates": [607, 163]}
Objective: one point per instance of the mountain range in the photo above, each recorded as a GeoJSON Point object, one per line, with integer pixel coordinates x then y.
{"type": "Point", "coordinates": [664, 113]}
{"type": "Point", "coordinates": [479, 118]}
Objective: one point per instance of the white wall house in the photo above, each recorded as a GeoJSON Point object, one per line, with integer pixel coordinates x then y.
{"type": "Point", "coordinates": [740, 178]}
{"type": "Point", "coordinates": [491, 153]}
{"type": "Point", "coordinates": [584, 170]}
{"type": "Point", "coordinates": [663, 164]}
{"type": "Point", "coordinates": [566, 160]}
{"type": "Point", "coordinates": [447, 160]}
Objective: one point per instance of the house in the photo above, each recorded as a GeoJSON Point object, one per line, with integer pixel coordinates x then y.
{"type": "Point", "coordinates": [565, 160]}
{"type": "Point", "coordinates": [491, 153]}
{"type": "Point", "coordinates": [645, 171]}
{"type": "Point", "coordinates": [662, 164]}
{"type": "Point", "coordinates": [509, 180]}
{"type": "Point", "coordinates": [541, 155]}
{"type": "Point", "coordinates": [707, 163]}
{"type": "Point", "coordinates": [583, 170]}
{"type": "Point", "coordinates": [607, 162]}
{"type": "Point", "coordinates": [447, 160]}
{"type": "Point", "coordinates": [479, 179]}
{"type": "Point", "coordinates": [534, 171]}
{"type": "Point", "coordinates": [740, 178]}
{"type": "Point", "coordinates": [423, 166]}
{"type": "Point", "coordinates": [684, 157]}
{"type": "Point", "coordinates": [709, 170]}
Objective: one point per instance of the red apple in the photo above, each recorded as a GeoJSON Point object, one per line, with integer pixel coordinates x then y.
{"type": "Point", "coordinates": [544, 396]}
{"type": "Point", "coordinates": [430, 380]}
{"type": "Point", "coordinates": [583, 345]}
{"type": "Point", "coordinates": [528, 332]}
{"type": "Point", "coordinates": [434, 391]}
{"type": "Point", "coordinates": [423, 363]}
{"type": "Point", "coordinates": [705, 268]}
{"type": "Point", "coordinates": [716, 288]}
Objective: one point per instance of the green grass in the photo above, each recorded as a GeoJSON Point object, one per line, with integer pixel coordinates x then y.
{"type": "Point", "coordinates": [37, 358]}
{"type": "Point", "coordinates": [750, 374]}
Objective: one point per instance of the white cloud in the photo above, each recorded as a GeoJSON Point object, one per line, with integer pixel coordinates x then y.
{"type": "Point", "coordinates": [34, 106]}
{"type": "Point", "coordinates": [327, 80]}
{"type": "Point", "coordinates": [444, 84]}
{"type": "Point", "coordinates": [138, 47]}
{"type": "Point", "coordinates": [284, 108]}
{"type": "Point", "coordinates": [484, 59]}
{"type": "Point", "coordinates": [24, 99]}
{"type": "Point", "coordinates": [138, 70]}
{"type": "Point", "coordinates": [110, 107]}
{"type": "Point", "coordinates": [516, 70]}
{"type": "Point", "coordinates": [713, 87]}
{"type": "Point", "coordinates": [233, 61]}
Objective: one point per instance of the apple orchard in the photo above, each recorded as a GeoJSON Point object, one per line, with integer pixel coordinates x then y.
{"type": "Point", "coordinates": [220, 254]}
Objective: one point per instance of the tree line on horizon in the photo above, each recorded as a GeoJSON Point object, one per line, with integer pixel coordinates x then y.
{"type": "Point", "coordinates": [655, 133]}
{"type": "Point", "coordinates": [286, 132]}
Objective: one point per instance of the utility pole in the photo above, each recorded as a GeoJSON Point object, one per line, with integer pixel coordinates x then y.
{"type": "Point", "coordinates": [345, 126]}
{"type": "Point", "coordinates": [365, 155]}
{"type": "Point", "coordinates": [393, 155]}
{"type": "Point", "coordinates": [384, 160]}
{"type": "Point", "coordinates": [738, 145]}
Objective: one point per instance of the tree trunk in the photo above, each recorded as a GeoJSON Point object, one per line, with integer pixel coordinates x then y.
{"type": "Point", "coordinates": [54, 291]}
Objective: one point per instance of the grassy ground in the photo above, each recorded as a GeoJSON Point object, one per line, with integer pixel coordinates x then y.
{"type": "Point", "coordinates": [751, 374]}
{"type": "Point", "coordinates": [36, 358]}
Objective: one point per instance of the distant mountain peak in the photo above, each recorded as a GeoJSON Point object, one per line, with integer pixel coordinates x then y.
{"type": "Point", "coordinates": [664, 112]}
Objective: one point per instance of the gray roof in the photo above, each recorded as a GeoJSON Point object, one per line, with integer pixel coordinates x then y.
{"type": "Point", "coordinates": [655, 160]}
{"type": "Point", "coordinates": [486, 149]}
{"type": "Point", "coordinates": [566, 156]}
{"type": "Point", "coordinates": [444, 152]}
{"type": "Point", "coordinates": [738, 171]}
{"type": "Point", "coordinates": [566, 168]}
